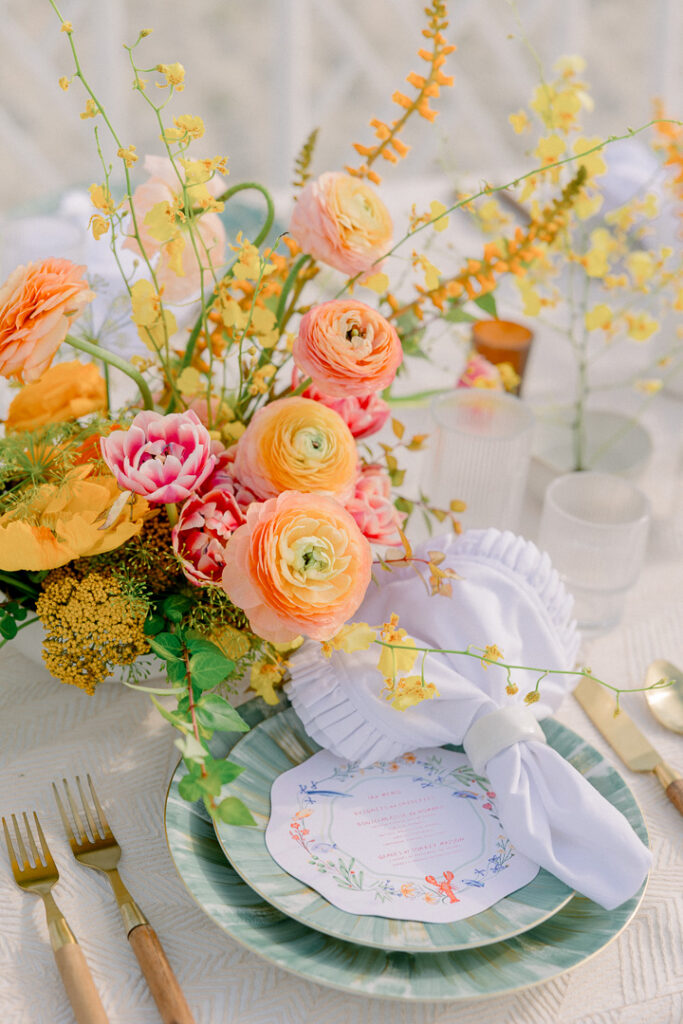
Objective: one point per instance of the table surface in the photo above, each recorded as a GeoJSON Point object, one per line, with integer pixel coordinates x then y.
{"type": "Point", "coordinates": [48, 730]}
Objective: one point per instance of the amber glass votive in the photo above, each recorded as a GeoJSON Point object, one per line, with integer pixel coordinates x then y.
{"type": "Point", "coordinates": [502, 341]}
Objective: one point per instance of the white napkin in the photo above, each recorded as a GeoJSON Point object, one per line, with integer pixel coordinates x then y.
{"type": "Point", "coordinates": [509, 595]}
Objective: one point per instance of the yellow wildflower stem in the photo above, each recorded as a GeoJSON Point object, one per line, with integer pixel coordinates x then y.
{"type": "Point", "coordinates": [121, 364]}
{"type": "Point", "coordinates": [492, 189]}
{"type": "Point", "coordinates": [117, 140]}
{"type": "Point", "coordinates": [581, 672]}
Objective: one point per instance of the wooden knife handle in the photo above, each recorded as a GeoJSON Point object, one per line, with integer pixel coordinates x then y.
{"type": "Point", "coordinates": [80, 987]}
{"type": "Point", "coordinates": [674, 791]}
{"type": "Point", "coordinates": [159, 975]}
{"type": "Point", "coordinates": [672, 783]}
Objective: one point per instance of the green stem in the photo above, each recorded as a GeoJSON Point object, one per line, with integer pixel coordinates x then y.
{"type": "Point", "coordinates": [9, 577]}
{"type": "Point", "coordinates": [121, 364]}
{"type": "Point", "coordinates": [172, 513]}
{"type": "Point", "coordinates": [263, 233]}
{"type": "Point", "coordinates": [287, 286]}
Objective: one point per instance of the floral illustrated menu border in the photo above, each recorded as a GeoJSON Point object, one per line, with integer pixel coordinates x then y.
{"type": "Point", "coordinates": [417, 838]}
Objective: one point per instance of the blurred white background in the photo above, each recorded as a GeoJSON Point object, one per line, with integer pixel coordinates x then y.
{"type": "Point", "coordinates": [263, 73]}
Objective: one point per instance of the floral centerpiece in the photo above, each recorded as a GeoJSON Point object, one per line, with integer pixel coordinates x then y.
{"type": "Point", "coordinates": [234, 503]}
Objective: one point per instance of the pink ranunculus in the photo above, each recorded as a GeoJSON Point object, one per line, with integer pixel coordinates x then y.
{"type": "Point", "coordinates": [299, 565]}
{"type": "Point", "coordinates": [199, 537]}
{"type": "Point", "coordinates": [480, 373]}
{"type": "Point", "coordinates": [163, 186]}
{"type": "Point", "coordinates": [341, 221]}
{"type": "Point", "coordinates": [363, 416]}
{"type": "Point", "coordinates": [225, 477]}
{"type": "Point", "coordinates": [37, 305]}
{"type": "Point", "coordinates": [347, 348]}
{"type": "Point", "coordinates": [163, 458]}
{"type": "Point", "coordinates": [371, 506]}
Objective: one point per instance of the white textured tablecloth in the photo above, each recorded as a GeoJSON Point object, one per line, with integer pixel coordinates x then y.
{"type": "Point", "coordinates": [47, 730]}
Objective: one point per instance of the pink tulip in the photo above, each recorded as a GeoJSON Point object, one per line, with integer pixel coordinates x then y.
{"type": "Point", "coordinates": [163, 458]}
{"type": "Point", "coordinates": [363, 416]}
{"type": "Point", "coordinates": [377, 517]}
{"type": "Point", "coordinates": [199, 537]}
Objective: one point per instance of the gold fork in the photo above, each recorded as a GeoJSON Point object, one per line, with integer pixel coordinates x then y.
{"type": "Point", "coordinates": [102, 853]}
{"type": "Point", "coordinates": [39, 878]}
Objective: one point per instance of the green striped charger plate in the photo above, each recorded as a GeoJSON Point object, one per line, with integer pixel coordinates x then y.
{"type": "Point", "coordinates": [569, 938]}
{"type": "Point", "coordinates": [276, 745]}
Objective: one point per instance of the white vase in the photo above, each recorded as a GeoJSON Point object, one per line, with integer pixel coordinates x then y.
{"type": "Point", "coordinates": [615, 443]}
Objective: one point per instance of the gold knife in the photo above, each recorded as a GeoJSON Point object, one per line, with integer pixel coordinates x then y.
{"type": "Point", "coordinates": [626, 738]}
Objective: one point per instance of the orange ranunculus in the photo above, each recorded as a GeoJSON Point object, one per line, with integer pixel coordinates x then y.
{"type": "Point", "coordinates": [299, 565]}
{"type": "Point", "coordinates": [347, 348]}
{"type": "Point", "coordinates": [64, 521]}
{"type": "Point", "coordinates": [37, 304]}
{"type": "Point", "coordinates": [64, 392]}
{"type": "Point", "coordinates": [296, 444]}
{"type": "Point", "coordinates": [341, 221]}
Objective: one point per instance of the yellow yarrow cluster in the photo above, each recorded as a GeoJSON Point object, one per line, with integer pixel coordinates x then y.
{"type": "Point", "coordinates": [91, 625]}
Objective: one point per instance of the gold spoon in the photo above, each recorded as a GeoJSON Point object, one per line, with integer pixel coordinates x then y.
{"type": "Point", "coordinates": [666, 703]}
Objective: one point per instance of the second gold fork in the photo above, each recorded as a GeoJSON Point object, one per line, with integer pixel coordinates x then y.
{"type": "Point", "coordinates": [102, 853]}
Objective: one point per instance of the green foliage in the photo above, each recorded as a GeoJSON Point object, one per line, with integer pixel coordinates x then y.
{"type": "Point", "coordinates": [233, 812]}
{"type": "Point", "coordinates": [487, 303]}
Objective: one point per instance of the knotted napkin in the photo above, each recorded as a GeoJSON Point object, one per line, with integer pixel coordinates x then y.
{"type": "Point", "coordinates": [508, 594]}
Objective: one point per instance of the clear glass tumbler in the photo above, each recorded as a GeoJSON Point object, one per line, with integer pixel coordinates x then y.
{"type": "Point", "coordinates": [479, 453]}
{"type": "Point", "coordinates": [595, 526]}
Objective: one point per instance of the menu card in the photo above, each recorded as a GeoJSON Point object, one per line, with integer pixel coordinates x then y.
{"type": "Point", "coordinates": [417, 838]}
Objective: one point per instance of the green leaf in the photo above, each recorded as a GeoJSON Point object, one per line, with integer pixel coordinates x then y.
{"type": "Point", "coordinates": [233, 812]}
{"type": "Point", "coordinates": [216, 713]}
{"type": "Point", "coordinates": [459, 316]}
{"type": "Point", "coordinates": [197, 643]}
{"type": "Point", "coordinates": [8, 627]}
{"type": "Point", "coordinates": [487, 303]}
{"type": "Point", "coordinates": [176, 720]}
{"type": "Point", "coordinates": [191, 749]}
{"type": "Point", "coordinates": [176, 671]}
{"type": "Point", "coordinates": [153, 624]}
{"type": "Point", "coordinates": [175, 607]}
{"type": "Point", "coordinates": [208, 669]}
{"type": "Point", "coordinates": [227, 771]}
{"type": "Point", "coordinates": [404, 505]}
{"type": "Point", "coordinates": [190, 788]}
{"type": "Point", "coordinates": [166, 645]}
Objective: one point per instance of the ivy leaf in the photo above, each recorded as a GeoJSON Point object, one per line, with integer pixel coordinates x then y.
{"type": "Point", "coordinates": [227, 771]}
{"type": "Point", "coordinates": [487, 303]}
{"type": "Point", "coordinates": [8, 627]}
{"type": "Point", "coordinates": [178, 721]}
{"type": "Point", "coordinates": [191, 749]}
{"type": "Point", "coordinates": [166, 645]}
{"type": "Point", "coordinates": [176, 672]}
{"type": "Point", "coordinates": [175, 606]}
{"type": "Point", "coordinates": [208, 669]}
{"type": "Point", "coordinates": [233, 812]}
{"type": "Point", "coordinates": [216, 713]}
{"type": "Point", "coordinates": [190, 788]}
{"type": "Point", "coordinates": [153, 624]}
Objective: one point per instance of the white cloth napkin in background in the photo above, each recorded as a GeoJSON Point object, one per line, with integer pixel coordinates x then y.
{"type": "Point", "coordinates": [508, 595]}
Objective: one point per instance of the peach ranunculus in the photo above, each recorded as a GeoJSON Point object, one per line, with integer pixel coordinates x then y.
{"type": "Point", "coordinates": [295, 444]}
{"type": "Point", "coordinates": [37, 304]}
{"type": "Point", "coordinates": [371, 506]}
{"type": "Point", "coordinates": [299, 565]}
{"type": "Point", "coordinates": [61, 522]}
{"type": "Point", "coordinates": [480, 373]}
{"type": "Point", "coordinates": [177, 270]}
{"type": "Point", "coordinates": [363, 416]}
{"type": "Point", "coordinates": [65, 391]}
{"type": "Point", "coordinates": [341, 221]}
{"type": "Point", "coordinates": [347, 348]}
